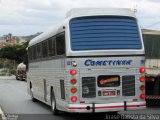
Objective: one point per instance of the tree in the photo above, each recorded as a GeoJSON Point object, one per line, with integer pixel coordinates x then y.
{"type": "Point", "coordinates": [21, 52]}
{"type": "Point", "coordinates": [8, 52]}
{"type": "Point", "coordinates": [16, 53]}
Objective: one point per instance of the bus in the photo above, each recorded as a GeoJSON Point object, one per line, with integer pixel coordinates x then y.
{"type": "Point", "coordinates": [90, 63]}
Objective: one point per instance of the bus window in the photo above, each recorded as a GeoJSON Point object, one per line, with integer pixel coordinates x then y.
{"type": "Point", "coordinates": [51, 51]}
{"type": "Point", "coordinates": [105, 33]}
{"type": "Point", "coordinates": [45, 49]}
{"type": "Point", "coordinates": [30, 53]}
{"type": "Point", "coordinates": [60, 44]}
{"type": "Point", "coordinates": [54, 45]}
{"type": "Point", "coordinates": [39, 51]}
{"type": "Point", "coordinates": [34, 52]}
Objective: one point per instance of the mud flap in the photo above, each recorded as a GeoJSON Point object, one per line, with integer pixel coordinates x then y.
{"type": "Point", "coordinates": [125, 106]}
{"type": "Point", "coordinates": [93, 107]}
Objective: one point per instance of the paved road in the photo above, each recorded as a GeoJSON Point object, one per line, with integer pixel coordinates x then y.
{"type": "Point", "coordinates": [16, 103]}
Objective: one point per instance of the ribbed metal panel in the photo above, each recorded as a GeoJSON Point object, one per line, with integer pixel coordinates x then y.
{"type": "Point", "coordinates": [128, 85]}
{"type": "Point", "coordinates": [88, 84]}
{"type": "Point", "coordinates": [102, 33]}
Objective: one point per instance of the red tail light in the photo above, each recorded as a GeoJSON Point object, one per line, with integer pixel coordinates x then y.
{"type": "Point", "coordinates": [142, 70]}
{"type": "Point", "coordinates": [73, 98]}
{"type": "Point", "coordinates": [73, 72]}
{"type": "Point", "coordinates": [142, 96]}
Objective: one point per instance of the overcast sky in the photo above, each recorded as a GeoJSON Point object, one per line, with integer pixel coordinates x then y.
{"type": "Point", "coordinates": [25, 17]}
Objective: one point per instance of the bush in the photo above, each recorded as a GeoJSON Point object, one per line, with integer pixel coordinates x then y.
{"type": "Point", "coordinates": [13, 72]}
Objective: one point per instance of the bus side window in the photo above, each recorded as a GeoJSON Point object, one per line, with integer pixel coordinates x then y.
{"type": "Point", "coordinates": [39, 50]}
{"type": "Point", "coordinates": [54, 45]}
{"type": "Point", "coordinates": [30, 53]}
{"type": "Point", "coordinates": [25, 59]}
{"type": "Point", "coordinates": [51, 51]}
{"type": "Point", "coordinates": [44, 49]}
{"type": "Point", "coordinates": [34, 52]}
{"type": "Point", "coordinates": [60, 44]}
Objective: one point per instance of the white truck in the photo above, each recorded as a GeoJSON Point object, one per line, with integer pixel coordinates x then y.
{"type": "Point", "coordinates": [21, 72]}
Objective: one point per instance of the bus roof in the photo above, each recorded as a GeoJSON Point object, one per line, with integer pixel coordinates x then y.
{"type": "Point", "coordinates": [54, 30]}
{"type": "Point", "coordinates": [77, 12]}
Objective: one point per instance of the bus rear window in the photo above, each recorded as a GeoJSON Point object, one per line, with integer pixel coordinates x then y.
{"type": "Point", "coordinates": [104, 33]}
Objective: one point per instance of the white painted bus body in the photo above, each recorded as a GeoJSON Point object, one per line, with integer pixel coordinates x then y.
{"type": "Point", "coordinates": [54, 72]}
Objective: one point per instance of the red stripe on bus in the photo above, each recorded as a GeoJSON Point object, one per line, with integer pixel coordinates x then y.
{"type": "Point", "coordinates": [103, 107]}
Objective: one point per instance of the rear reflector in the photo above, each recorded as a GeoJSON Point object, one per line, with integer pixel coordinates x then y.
{"type": "Point", "coordinates": [82, 101]}
{"type": "Point", "coordinates": [135, 100]}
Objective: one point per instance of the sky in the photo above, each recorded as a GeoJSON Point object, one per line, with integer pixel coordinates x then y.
{"type": "Point", "coordinates": [26, 17]}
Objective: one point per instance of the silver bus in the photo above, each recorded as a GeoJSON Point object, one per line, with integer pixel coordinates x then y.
{"type": "Point", "coordinates": [92, 62]}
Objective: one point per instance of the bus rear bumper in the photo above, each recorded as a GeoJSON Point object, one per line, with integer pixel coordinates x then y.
{"type": "Point", "coordinates": [109, 107]}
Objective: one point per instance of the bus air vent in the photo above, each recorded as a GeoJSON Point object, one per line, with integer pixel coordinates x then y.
{"type": "Point", "coordinates": [88, 87]}
{"type": "Point", "coordinates": [128, 85]}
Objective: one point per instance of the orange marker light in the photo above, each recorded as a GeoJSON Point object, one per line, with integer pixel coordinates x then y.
{"type": "Point", "coordinates": [142, 87]}
{"type": "Point", "coordinates": [73, 81]}
{"type": "Point", "coordinates": [142, 78]}
{"type": "Point", "coordinates": [73, 90]}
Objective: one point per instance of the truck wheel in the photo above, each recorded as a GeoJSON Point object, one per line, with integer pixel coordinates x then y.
{"type": "Point", "coordinates": [55, 111]}
{"type": "Point", "coordinates": [32, 97]}
{"type": "Point", "coordinates": [17, 77]}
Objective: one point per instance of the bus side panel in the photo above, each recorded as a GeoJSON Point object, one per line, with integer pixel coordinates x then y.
{"type": "Point", "coordinates": [44, 75]}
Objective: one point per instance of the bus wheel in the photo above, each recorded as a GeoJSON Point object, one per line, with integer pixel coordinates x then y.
{"type": "Point", "coordinates": [32, 97]}
{"type": "Point", "coordinates": [53, 104]}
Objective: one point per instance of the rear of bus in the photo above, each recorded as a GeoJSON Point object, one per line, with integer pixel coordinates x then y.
{"type": "Point", "coordinates": [105, 63]}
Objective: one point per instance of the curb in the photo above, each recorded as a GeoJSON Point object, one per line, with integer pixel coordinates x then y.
{"type": "Point", "coordinates": [7, 77]}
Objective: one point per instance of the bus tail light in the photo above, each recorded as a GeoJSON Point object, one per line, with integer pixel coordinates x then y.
{"type": "Point", "coordinates": [73, 98]}
{"type": "Point", "coordinates": [73, 81]}
{"type": "Point", "coordinates": [73, 72]}
{"type": "Point", "coordinates": [142, 78]}
{"type": "Point", "coordinates": [73, 90]}
{"type": "Point", "coordinates": [142, 70]}
{"type": "Point", "coordinates": [142, 96]}
{"type": "Point", "coordinates": [142, 87]}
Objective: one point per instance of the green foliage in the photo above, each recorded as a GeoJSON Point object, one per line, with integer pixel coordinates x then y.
{"type": "Point", "coordinates": [1, 64]}
{"type": "Point", "coordinates": [8, 67]}
{"type": "Point", "coordinates": [8, 52]}
{"type": "Point", "coordinates": [16, 53]}
{"type": "Point", "coordinates": [13, 71]}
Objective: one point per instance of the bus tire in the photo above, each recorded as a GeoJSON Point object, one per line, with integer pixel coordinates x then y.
{"type": "Point", "coordinates": [55, 111]}
{"type": "Point", "coordinates": [32, 97]}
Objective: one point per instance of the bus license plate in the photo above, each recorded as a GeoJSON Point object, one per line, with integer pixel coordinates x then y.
{"type": "Point", "coordinates": [109, 93]}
